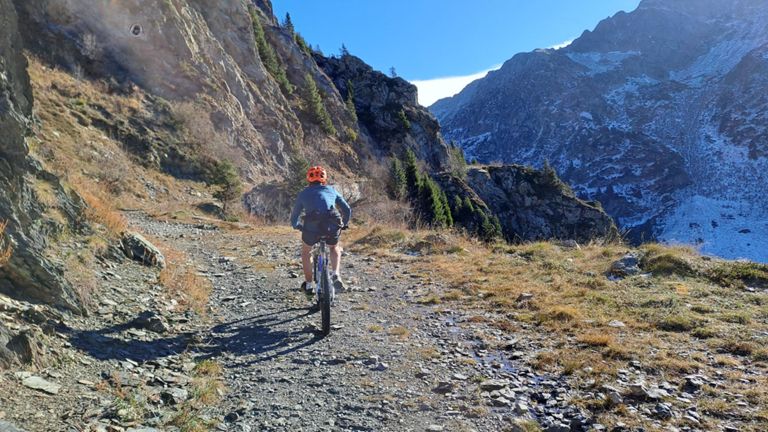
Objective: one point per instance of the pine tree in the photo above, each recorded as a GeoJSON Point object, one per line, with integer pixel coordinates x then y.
{"type": "Point", "coordinates": [393, 72]}
{"type": "Point", "coordinates": [302, 43]}
{"type": "Point", "coordinates": [288, 24]}
{"type": "Point", "coordinates": [412, 176]}
{"type": "Point", "coordinates": [446, 209]}
{"type": "Point", "coordinates": [297, 175]}
{"type": "Point", "coordinates": [467, 213]}
{"type": "Point", "coordinates": [230, 187]}
{"type": "Point", "coordinates": [431, 204]}
{"type": "Point", "coordinates": [268, 56]}
{"type": "Point", "coordinates": [315, 106]}
{"type": "Point", "coordinates": [350, 102]}
{"type": "Point", "coordinates": [397, 180]}
{"type": "Point", "coordinates": [344, 51]}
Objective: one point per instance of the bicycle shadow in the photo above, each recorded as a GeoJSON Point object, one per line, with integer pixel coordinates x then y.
{"type": "Point", "coordinates": [260, 338]}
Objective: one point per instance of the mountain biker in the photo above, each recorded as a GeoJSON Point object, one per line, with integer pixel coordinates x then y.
{"type": "Point", "coordinates": [319, 203]}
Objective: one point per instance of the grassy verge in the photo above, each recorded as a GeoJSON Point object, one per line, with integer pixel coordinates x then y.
{"type": "Point", "coordinates": [685, 314]}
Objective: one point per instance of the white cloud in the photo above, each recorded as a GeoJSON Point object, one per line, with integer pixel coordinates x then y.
{"type": "Point", "coordinates": [430, 91]}
{"type": "Point", "coordinates": [562, 45]}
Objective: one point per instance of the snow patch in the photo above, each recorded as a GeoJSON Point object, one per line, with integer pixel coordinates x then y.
{"type": "Point", "coordinates": [726, 228]}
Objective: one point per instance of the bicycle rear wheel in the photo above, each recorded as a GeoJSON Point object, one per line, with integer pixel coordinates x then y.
{"type": "Point", "coordinates": [325, 299]}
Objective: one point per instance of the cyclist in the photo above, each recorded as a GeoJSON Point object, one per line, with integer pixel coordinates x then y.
{"type": "Point", "coordinates": [319, 203]}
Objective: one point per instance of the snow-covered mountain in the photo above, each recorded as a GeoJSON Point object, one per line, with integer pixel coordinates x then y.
{"type": "Point", "coordinates": [661, 114]}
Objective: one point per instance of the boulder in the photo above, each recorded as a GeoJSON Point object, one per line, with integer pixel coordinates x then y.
{"type": "Point", "coordinates": [628, 265]}
{"type": "Point", "coordinates": [137, 248]}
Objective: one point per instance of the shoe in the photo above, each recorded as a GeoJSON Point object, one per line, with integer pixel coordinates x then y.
{"type": "Point", "coordinates": [306, 287]}
{"type": "Point", "coordinates": [338, 284]}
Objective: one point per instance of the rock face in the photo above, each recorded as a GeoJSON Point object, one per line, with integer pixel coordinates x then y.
{"type": "Point", "coordinates": [532, 205]}
{"type": "Point", "coordinates": [28, 274]}
{"type": "Point", "coordinates": [190, 51]}
{"type": "Point", "coordinates": [380, 101]}
{"type": "Point", "coordinates": [659, 114]}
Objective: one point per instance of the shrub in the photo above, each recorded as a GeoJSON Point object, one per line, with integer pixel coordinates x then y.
{"type": "Point", "coordinates": [403, 118]}
{"type": "Point", "coordinates": [677, 323]}
{"type": "Point", "coordinates": [668, 264]}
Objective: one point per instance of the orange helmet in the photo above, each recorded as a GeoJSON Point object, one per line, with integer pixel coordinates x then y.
{"type": "Point", "coordinates": [317, 174]}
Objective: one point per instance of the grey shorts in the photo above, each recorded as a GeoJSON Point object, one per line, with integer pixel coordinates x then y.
{"type": "Point", "coordinates": [322, 226]}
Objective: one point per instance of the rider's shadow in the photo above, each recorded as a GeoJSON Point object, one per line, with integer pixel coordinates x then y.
{"type": "Point", "coordinates": [256, 337]}
{"type": "Point", "coordinates": [259, 338]}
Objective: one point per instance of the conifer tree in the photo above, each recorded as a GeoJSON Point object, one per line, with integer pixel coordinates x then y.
{"type": "Point", "coordinates": [268, 56]}
{"type": "Point", "coordinates": [315, 106]}
{"type": "Point", "coordinates": [288, 24]}
{"type": "Point", "coordinates": [230, 187]}
{"type": "Point", "coordinates": [350, 102]}
{"type": "Point", "coordinates": [446, 209]}
{"type": "Point", "coordinates": [397, 180]}
{"type": "Point", "coordinates": [344, 51]}
{"type": "Point", "coordinates": [412, 176]}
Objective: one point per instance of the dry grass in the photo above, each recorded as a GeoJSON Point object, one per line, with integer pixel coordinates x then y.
{"type": "Point", "coordinates": [401, 332]}
{"type": "Point", "coordinates": [207, 390]}
{"type": "Point", "coordinates": [6, 250]}
{"type": "Point", "coordinates": [673, 320]}
{"type": "Point", "coordinates": [596, 339]}
{"type": "Point", "coordinates": [100, 207]}
{"type": "Point", "coordinates": [76, 151]}
{"type": "Point", "coordinates": [180, 278]}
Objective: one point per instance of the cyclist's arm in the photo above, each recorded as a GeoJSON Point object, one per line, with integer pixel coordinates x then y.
{"type": "Point", "coordinates": [346, 210]}
{"type": "Point", "coordinates": [298, 206]}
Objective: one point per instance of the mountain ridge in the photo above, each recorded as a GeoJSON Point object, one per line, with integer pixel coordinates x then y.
{"type": "Point", "coordinates": [648, 113]}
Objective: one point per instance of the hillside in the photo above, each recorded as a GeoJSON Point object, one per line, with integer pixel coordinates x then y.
{"type": "Point", "coordinates": [654, 113]}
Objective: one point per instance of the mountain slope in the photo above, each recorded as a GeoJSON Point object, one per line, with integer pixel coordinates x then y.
{"type": "Point", "coordinates": [236, 67]}
{"type": "Point", "coordinates": [658, 113]}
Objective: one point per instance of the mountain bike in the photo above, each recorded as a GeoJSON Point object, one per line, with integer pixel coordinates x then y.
{"type": "Point", "coordinates": [324, 289]}
{"type": "Point", "coordinates": [323, 286]}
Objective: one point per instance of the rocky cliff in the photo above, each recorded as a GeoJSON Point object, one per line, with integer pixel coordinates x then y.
{"type": "Point", "coordinates": [28, 274]}
{"type": "Point", "coordinates": [530, 204]}
{"type": "Point", "coordinates": [657, 113]}
{"type": "Point", "coordinates": [236, 64]}
{"type": "Point", "coordinates": [388, 111]}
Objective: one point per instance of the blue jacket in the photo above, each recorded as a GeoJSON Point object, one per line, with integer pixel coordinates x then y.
{"type": "Point", "coordinates": [319, 198]}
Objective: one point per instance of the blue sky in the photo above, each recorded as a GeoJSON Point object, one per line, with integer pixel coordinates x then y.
{"type": "Point", "coordinates": [427, 41]}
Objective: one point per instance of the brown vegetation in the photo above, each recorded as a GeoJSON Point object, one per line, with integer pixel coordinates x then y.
{"type": "Point", "coordinates": [672, 321]}
{"type": "Point", "coordinates": [5, 248]}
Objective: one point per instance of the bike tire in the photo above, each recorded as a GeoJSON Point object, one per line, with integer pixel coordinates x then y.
{"type": "Point", "coordinates": [325, 300]}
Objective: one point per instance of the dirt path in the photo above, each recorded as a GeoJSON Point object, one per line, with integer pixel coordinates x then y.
{"type": "Point", "coordinates": [390, 362]}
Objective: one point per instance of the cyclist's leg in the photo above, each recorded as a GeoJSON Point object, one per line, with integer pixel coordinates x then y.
{"type": "Point", "coordinates": [336, 257]}
{"type": "Point", "coordinates": [306, 262]}
{"type": "Point", "coordinates": [307, 240]}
